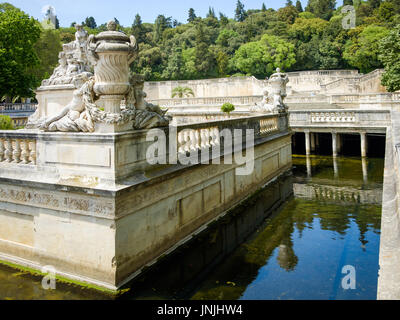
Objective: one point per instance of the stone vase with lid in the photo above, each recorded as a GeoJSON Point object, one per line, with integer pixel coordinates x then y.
{"type": "Point", "coordinates": [111, 52]}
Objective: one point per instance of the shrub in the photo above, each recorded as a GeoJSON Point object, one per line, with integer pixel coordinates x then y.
{"type": "Point", "coordinates": [6, 123]}
{"type": "Point", "coordinates": [228, 108]}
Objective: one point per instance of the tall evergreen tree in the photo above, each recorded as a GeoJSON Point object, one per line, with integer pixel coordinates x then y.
{"type": "Point", "coordinates": [138, 30]}
{"type": "Point", "coordinates": [160, 25]}
{"type": "Point", "coordinates": [223, 19]}
{"type": "Point", "coordinates": [240, 13]}
{"type": "Point", "coordinates": [263, 8]}
{"type": "Point", "coordinates": [192, 15]}
{"type": "Point", "coordinates": [211, 13]}
{"type": "Point", "coordinates": [299, 7]}
{"type": "Point", "coordinates": [289, 3]}
{"type": "Point", "coordinates": [90, 22]}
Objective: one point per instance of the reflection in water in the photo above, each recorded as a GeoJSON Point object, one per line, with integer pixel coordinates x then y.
{"type": "Point", "coordinates": [365, 169]}
{"type": "Point", "coordinates": [297, 252]}
{"type": "Point", "coordinates": [335, 168]}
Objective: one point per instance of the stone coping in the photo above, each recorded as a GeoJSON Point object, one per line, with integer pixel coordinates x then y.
{"type": "Point", "coordinates": [126, 185]}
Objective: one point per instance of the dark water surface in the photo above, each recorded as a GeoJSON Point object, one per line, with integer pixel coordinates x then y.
{"type": "Point", "coordinates": [298, 250]}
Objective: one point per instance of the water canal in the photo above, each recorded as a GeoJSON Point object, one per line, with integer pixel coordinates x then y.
{"type": "Point", "coordinates": [308, 226]}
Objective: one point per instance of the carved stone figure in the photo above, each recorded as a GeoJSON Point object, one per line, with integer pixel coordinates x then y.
{"type": "Point", "coordinates": [73, 60]}
{"type": "Point", "coordinates": [273, 100]}
{"type": "Point", "coordinates": [97, 98]}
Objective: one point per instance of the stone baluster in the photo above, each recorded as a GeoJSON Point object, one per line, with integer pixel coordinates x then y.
{"type": "Point", "coordinates": [16, 151]}
{"type": "Point", "coordinates": [180, 142]}
{"type": "Point", "coordinates": [1, 150]}
{"type": "Point", "coordinates": [32, 149]}
{"type": "Point", "coordinates": [8, 150]}
{"type": "Point", "coordinates": [24, 152]}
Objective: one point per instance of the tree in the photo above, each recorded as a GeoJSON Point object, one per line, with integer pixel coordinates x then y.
{"type": "Point", "coordinates": [288, 14]}
{"type": "Point", "coordinates": [18, 34]}
{"type": "Point", "coordinates": [192, 15]}
{"type": "Point", "coordinates": [57, 23]}
{"type": "Point", "coordinates": [347, 2]}
{"type": "Point", "coordinates": [374, 3]}
{"type": "Point", "coordinates": [160, 25]}
{"type": "Point", "coordinates": [389, 55]}
{"type": "Point", "coordinates": [138, 29]}
{"type": "Point", "coordinates": [47, 48]}
{"type": "Point", "coordinates": [228, 108]}
{"type": "Point", "coordinates": [362, 51]}
{"type": "Point", "coordinates": [223, 19]}
{"type": "Point", "coordinates": [289, 3]}
{"type": "Point", "coordinates": [240, 13]}
{"type": "Point", "coordinates": [261, 58]}
{"type": "Point", "coordinates": [321, 8]}
{"type": "Point", "coordinates": [263, 8]}
{"type": "Point", "coordinates": [175, 67]}
{"type": "Point", "coordinates": [299, 7]}
{"type": "Point", "coordinates": [205, 60]}
{"type": "Point", "coordinates": [90, 22]}
{"type": "Point", "coordinates": [182, 92]}
{"type": "Point", "coordinates": [211, 13]}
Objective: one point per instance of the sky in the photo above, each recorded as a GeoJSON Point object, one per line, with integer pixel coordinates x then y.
{"type": "Point", "coordinates": [69, 11]}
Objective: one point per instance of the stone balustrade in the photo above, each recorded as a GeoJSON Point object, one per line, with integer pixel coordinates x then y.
{"type": "Point", "coordinates": [349, 120]}
{"type": "Point", "coordinates": [17, 148]}
{"type": "Point", "coordinates": [4, 107]}
{"type": "Point", "coordinates": [239, 100]}
{"type": "Point", "coordinates": [199, 136]}
{"type": "Point", "coordinates": [342, 117]}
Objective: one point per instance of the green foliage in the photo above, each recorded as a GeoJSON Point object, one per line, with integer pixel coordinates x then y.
{"type": "Point", "coordinates": [321, 8]}
{"type": "Point", "coordinates": [47, 48]}
{"type": "Point", "coordinates": [255, 42]}
{"type": "Point", "coordinates": [182, 92]}
{"type": "Point", "coordinates": [390, 57]}
{"type": "Point", "coordinates": [18, 35]}
{"type": "Point", "coordinates": [6, 123]}
{"type": "Point", "coordinates": [261, 58]}
{"type": "Point", "coordinates": [240, 13]}
{"type": "Point", "coordinates": [227, 108]}
{"type": "Point", "coordinates": [362, 51]}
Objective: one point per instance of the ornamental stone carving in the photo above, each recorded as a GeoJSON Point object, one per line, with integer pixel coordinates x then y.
{"type": "Point", "coordinates": [112, 100]}
{"type": "Point", "coordinates": [73, 62]}
{"type": "Point", "coordinates": [273, 97]}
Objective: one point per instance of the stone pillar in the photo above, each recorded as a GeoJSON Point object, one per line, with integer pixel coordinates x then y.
{"type": "Point", "coordinates": [363, 144]}
{"type": "Point", "coordinates": [334, 144]}
{"type": "Point", "coordinates": [308, 144]}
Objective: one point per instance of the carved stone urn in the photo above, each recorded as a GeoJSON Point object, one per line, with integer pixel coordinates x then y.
{"type": "Point", "coordinates": [111, 53]}
{"type": "Point", "coordinates": [277, 84]}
